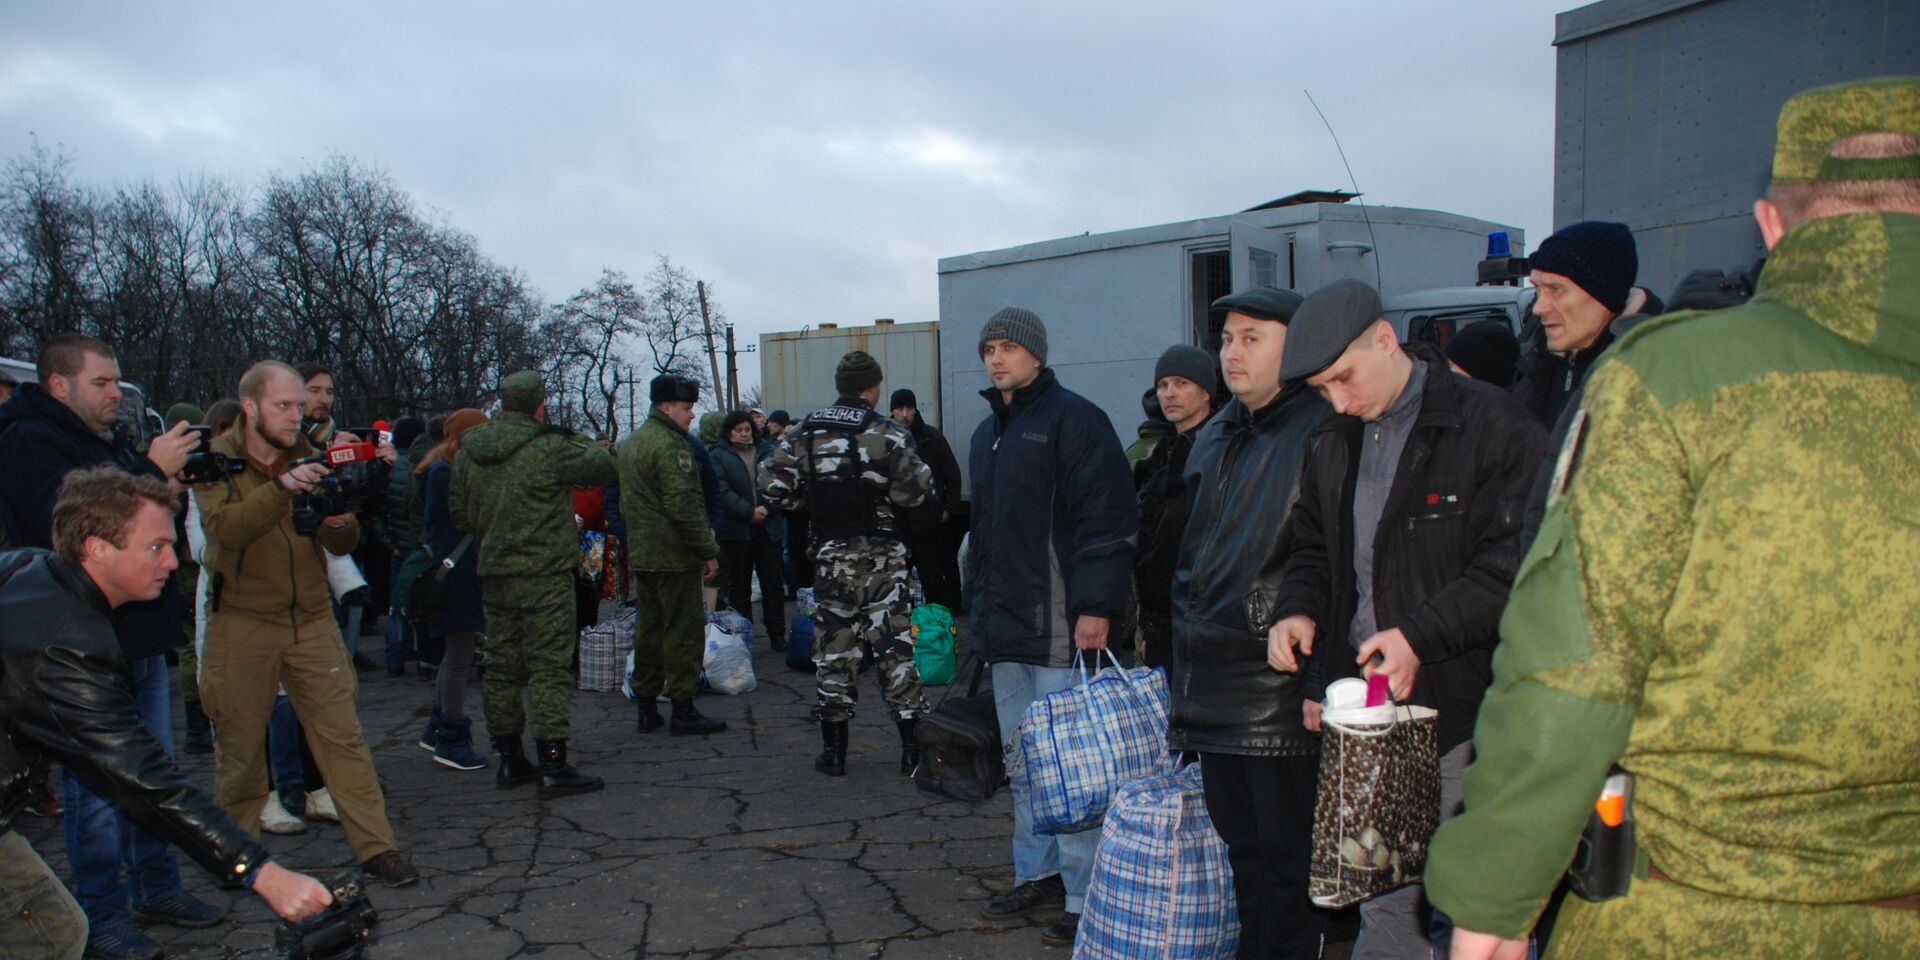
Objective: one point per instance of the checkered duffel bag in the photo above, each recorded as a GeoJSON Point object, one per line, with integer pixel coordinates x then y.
{"type": "Point", "coordinates": [1161, 887]}
{"type": "Point", "coordinates": [1079, 745]}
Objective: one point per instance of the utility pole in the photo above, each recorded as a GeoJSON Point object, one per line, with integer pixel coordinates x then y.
{"type": "Point", "coordinates": [633, 387]}
{"type": "Point", "coordinates": [706, 321]}
{"type": "Point", "coordinates": [733, 374]}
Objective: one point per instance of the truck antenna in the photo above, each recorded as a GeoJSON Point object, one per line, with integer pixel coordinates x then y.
{"type": "Point", "coordinates": [1358, 196]}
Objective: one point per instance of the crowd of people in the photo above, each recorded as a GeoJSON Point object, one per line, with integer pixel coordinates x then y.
{"type": "Point", "coordinates": [1671, 539]}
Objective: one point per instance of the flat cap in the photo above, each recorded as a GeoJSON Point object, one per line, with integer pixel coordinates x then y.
{"type": "Point", "coordinates": [1811, 121]}
{"type": "Point", "coordinates": [1328, 322]}
{"type": "Point", "coordinates": [1260, 303]}
{"type": "Point", "coordinates": [522, 392]}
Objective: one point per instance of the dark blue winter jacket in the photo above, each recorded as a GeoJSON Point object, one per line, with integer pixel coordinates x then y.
{"type": "Point", "coordinates": [1053, 526]}
{"type": "Point", "coordinates": [41, 441]}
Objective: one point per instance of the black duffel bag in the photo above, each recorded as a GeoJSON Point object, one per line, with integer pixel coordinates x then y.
{"type": "Point", "coordinates": [960, 753]}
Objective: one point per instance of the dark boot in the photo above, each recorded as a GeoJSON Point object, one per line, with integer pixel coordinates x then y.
{"type": "Point", "coordinates": [515, 769]}
{"type": "Point", "coordinates": [557, 778]}
{"type": "Point", "coordinates": [199, 729]}
{"type": "Point", "coordinates": [650, 719]}
{"type": "Point", "coordinates": [909, 747]}
{"type": "Point", "coordinates": [687, 720]}
{"type": "Point", "coordinates": [832, 761]}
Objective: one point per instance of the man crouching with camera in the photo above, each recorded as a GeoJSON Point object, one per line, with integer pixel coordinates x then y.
{"type": "Point", "coordinates": [66, 695]}
{"type": "Point", "coordinates": [271, 622]}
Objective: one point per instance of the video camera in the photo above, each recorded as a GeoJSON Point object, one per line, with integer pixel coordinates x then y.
{"type": "Point", "coordinates": [339, 491]}
{"type": "Point", "coordinates": [205, 466]}
{"type": "Point", "coordinates": [340, 932]}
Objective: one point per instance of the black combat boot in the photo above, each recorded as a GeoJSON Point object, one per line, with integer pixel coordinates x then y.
{"type": "Point", "coordinates": [557, 779]}
{"type": "Point", "coordinates": [650, 719]}
{"type": "Point", "coordinates": [686, 720]}
{"type": "Point", "coordinates": [515, 769]}
{"type": "Point", "coordinates": [832, 761]}
{"type": "Point", "coordinates": [909, 747]}
{"type": "Point", "coordinates": [199, 730]}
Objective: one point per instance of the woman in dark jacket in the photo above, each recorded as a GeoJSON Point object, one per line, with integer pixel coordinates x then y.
{"type": "Point", "coordinates": [463, 620]}
{"type": "Point", "coordinates": [747, 544]}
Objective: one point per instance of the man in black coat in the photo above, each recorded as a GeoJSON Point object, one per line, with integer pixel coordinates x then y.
{"type": "Point", "coordinates": [49, 429]}
{"type": "Point", "coordinates": [1399, 553]}
{"type": "Point", "coordinates": [1257, 760]}
{"type": "Point", "coordinates": [1185, 379]}
{"type": "Point", "coordinates": [1583, 278]}
{"type": "Point", "coordinates": [66, 695]}
{"type": "Point", "coordinates": [930, 539]}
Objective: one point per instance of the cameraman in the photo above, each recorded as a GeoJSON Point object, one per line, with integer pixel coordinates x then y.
{"type": "Point", "coordinates": [66, 694]}
{"type": "Point", "coordinates": [271, 622]}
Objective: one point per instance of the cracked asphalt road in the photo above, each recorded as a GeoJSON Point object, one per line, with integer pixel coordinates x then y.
{"type": "Point", "coordinates": [699, 847]}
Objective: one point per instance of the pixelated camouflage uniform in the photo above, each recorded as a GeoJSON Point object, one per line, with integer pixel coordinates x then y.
{"type": "Point", "coordinates": [861, 584]}
{"type": "Point", "coordinates": [666, 513]}
{"type": "Point", "coordinates": [513, 490]}
{"type": "Point", "coordinates": [1722, 600]}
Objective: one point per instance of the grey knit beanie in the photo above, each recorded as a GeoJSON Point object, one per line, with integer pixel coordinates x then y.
{"type": "Point", "coordinates": [1020, 325]}
{"type": "Point", "coordinates": [1192, 363]}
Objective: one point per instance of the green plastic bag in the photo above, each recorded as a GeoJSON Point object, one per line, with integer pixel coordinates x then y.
{"type": "Point", "coordinates": [933, 644]}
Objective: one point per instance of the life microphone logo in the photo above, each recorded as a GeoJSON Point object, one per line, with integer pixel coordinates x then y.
{"type": "Point", "coordinates": [346, 453]}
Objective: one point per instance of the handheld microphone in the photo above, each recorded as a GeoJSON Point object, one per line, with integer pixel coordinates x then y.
{"type": "Point", "coordinates": [340, 455]}
{"type": "Point", "coordinates": [384, 431]}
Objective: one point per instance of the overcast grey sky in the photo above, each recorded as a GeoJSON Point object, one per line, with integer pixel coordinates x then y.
{"type": "Point", "coordinates": [814, 160]}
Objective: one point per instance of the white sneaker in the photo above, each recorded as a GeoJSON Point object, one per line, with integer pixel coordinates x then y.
{"type": "Point", "coordinates": [320, 806]}
{"type": "Point", "coordinates": [275, 819]}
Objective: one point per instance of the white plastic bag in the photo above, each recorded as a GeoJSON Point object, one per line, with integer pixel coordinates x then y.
{"type": "Point", "coordinates": [728, 665]}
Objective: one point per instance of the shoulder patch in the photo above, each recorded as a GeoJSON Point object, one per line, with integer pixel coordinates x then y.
{"type": "Point", "coordinates": [1564, 464]}
{"type": "Point", "coordinates": [685, 459]}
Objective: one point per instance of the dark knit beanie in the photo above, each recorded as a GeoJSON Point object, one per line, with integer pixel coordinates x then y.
{"type": "Point", "coordinates": [1487, 351]}
{"type": "Point", "coordinates": [858, 371]}
{"type": "Point", "coordinates": [184, 411]}
{"type": "Point", "coordinates": [1597, 256]}
{"type": "Point", "coordinates": [780, 417]}
{"type": "Point", "coordinates": [903, 398]}
{"type": "Point", "coordinates": [406, 430]}
{"type": "Point", "coordinates": [1192, 363]}
{"type": "Point", "coordinates": [1020, 325]}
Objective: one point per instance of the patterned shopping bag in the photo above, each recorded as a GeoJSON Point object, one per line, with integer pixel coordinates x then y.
{"type": "Point", "coordinates": [1379, 804]}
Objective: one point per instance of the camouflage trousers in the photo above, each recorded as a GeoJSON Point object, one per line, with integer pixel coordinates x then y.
{"type": "Point", "coordinates": [1659, 918]}
{"type": "Point", "coordinates": [861, 592]}
{"type": "Point", "coordinates": [530, 643]}
{"type": "Point", "coordinates": [669, 637]}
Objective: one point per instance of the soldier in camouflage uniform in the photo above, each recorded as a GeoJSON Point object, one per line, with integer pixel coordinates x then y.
{"type": "Point", "coordinates": [851, 467]}
{"type": "Point", "coordinates": [672, 550]}
{"type": "Point", "coordinates": [1721, 599]}
{"type": "Point", "coordinates": [513, 490]}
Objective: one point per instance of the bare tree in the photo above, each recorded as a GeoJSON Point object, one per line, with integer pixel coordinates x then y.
{"type": "Point", "coordinates": [673, 330]}
{"type": "Point", "coordinates": [597, 324]}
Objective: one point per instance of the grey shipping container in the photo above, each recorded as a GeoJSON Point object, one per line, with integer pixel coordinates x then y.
{"type": "Point", "coordinates": [796, 369]}
{"type": "Point", "coordinates": [1666, 112]}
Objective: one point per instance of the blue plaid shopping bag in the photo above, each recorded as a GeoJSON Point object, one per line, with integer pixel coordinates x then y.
{"type": "Point", "coordinates": [1080, 744]}
{"type": "Point", "coordinates": [1162, 888]}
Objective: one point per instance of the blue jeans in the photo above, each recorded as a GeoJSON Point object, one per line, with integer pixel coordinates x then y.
{"type": "Point", "coordinates": [283, 746]}
{"type": "Point", "coordinates": [349, 616]}
{"type": "Point", "coordinates": [1037, 856]}
{"type": "Point", "coordinates": [101, 839]}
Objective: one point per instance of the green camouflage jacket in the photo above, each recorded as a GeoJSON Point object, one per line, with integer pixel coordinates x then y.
{"type": "Point", "coordinates": [1722, 600]}
{"type": "Point", "coordinates": [897, 475]}
{"type": "Point", "coordinates": [662, 501]}
{"type": "Point", "coordinates": [513, 489]}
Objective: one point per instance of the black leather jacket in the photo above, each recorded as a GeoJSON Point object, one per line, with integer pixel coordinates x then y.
{"type": "Point", "coordinates": [1240, 480]}
{"type": "Point", "coordinates": [65, 695]}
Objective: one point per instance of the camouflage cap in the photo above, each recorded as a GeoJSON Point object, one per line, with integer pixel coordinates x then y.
{"type": "Point", "coordinates": [522, 392]}
{"type": "Point", "coordinates": [1812, 120]}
